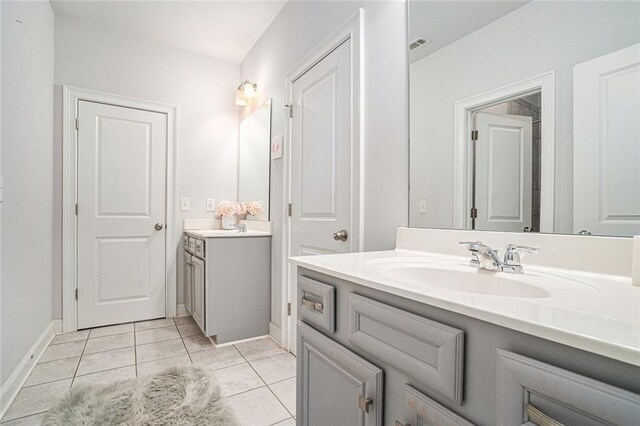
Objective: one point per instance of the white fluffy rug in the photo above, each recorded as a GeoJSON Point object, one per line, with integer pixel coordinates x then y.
{"type": "Point", "coordinates": [177, 396]}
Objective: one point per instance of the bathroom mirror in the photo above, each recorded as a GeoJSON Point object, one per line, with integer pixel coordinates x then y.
{"type": "Point", "coordinates": [525, 116]}
{"type": "Point", "coordinates": [254, 160]}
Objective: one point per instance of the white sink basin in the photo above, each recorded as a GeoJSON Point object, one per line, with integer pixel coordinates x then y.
{"type": "Point", "coordinates": [459, 276]}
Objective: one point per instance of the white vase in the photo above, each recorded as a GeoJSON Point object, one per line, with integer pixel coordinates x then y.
{"type": "Point", "coordinates": [228, 222]}
{"type": "Point", "coordinates": [251, 217]}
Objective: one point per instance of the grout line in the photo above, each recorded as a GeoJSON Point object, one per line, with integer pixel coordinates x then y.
{"type": "Point", "coordinates": [135, 352]}
{"type": "Point", "coordinates": [23, 417]}
{"type": "Point", "coordinates": [184, 344]}
{"type": "Point", "coordinates": [75, 373]}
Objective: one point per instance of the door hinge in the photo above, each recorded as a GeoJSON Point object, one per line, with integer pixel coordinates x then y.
{"type": "Point", "coordinates": [474, 213]}
{"type": "Point", "coordinates": [77, 123]}
{"type": "Point", "coordinates": [364, 403]}
{"type": "Point", "coordinates": [290, 209]}
{"type": "Point", "coordinates": [474, 135]}
{"type": "Point", "coordinates": [290, 106]}
{"type": "Point", "coordinates": [76, 209]}
{"type": "Point", "coordinates": [289, 309]}
{"type": "Point", "coordinates": [76, 294]}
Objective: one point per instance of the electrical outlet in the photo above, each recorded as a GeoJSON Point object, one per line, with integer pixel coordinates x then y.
{"type": "Point", "coordinates": [211, 205]}
{"type": "Point", "coordinates": [185, 204]}
{"type": "Point", "coordinates": [423, 207]}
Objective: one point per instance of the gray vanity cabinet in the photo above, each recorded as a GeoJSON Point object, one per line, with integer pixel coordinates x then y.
{"type": "Point", "coordinates": [335, 386]}
{"type": "Point", "coordinates": [198, 292]}
{"type": "Point", "coordinates": [186, 279]}
{"type": "Point", "coordinates": [442, 368]}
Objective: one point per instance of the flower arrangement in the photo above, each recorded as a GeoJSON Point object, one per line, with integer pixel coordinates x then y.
{"type": "Point", "coordinates": [228, 208]}
{"type": "Point", "coordinates": [253, 208]}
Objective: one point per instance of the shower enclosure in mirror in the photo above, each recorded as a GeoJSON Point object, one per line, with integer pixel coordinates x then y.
{"type": "Point", "coordinates": [254, 161]}
{"type": "Point", "coordinates": [525, 116]}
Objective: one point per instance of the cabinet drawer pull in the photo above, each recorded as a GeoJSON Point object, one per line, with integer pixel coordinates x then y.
{"type": "Point", "coordinates": [310, 304]}
{"type": "Point", "coordinates": [364, 403]}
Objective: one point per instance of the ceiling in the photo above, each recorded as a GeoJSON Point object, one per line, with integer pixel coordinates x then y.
{"type": "Point", "coordinates": [445, 21]}
{"type": "Point", "coordinates": [224, 30]}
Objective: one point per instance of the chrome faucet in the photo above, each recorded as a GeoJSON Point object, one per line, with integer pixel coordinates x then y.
{"type": "Point", "coordinates": [484, 257]}
{"type": "Point", "coordinates": [240, 227]}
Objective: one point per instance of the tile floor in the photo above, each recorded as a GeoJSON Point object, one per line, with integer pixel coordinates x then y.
{"type": "Point", "coordinates": [258, 377]}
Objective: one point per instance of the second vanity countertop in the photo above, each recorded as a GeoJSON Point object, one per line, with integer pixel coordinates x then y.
{"type": "Point", "coordinates": [594, 312]}
{"type": "Point", "coordinates": [225, 233]}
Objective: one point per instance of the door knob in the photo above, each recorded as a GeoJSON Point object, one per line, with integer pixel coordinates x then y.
{"type": "Point", "coordinates": [158, 227]}
{"type": "Point", "coordinates": [341, 235]}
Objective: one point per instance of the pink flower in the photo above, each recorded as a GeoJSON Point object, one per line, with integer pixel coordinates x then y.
{"type": "Point", "coordinates": [254, 208]}
{"type": "Point", "coordinates": [228, 208]}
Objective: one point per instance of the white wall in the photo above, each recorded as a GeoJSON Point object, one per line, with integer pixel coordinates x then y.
{"type": "Point", "coordinates": [27, 168]}
{"type": "Point", "coordinates": [531, 40]}
{"type": "Point", "coordinates": [203, 89]}
{"type": "Point", "coordinates": [299, 27]}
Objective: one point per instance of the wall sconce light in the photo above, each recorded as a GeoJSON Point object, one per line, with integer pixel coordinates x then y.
{"type": "Point", "coordinates": [246, 91]}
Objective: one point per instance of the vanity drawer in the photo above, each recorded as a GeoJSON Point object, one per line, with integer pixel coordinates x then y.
{"type": "Point", "coordinates": [429, 352]}
{"type": "Point", "coordinates": [185, 242]}
{"type": "Point", "coordinates": [316, 303]}
{"type": "Point", "coordinates": [420, 409]}
{"type": "Point", "coordinates": [192, 245]}
{"type": "Point", "coordinates": [200, 248]}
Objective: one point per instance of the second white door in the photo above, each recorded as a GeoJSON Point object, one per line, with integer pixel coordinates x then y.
{"type": "Point", "coordinates": [321, 163]}
{"type": "Point", "coordinates": [121, 214]}
{"type": "Point", "coordinates": [503, 172]}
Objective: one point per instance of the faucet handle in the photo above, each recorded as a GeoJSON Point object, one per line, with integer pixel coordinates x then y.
{"type": "Point", "coordinates": [512, 255]}
{"type": "Point", "coordinates": [468, 243]}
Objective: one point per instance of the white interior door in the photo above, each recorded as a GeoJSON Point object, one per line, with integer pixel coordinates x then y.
{"type": "Point", "coordinates": [503, 172]}
{"type": "Point", "coordinates": [121, 192]}
{"type": "Point", "coordinates": [321, 163]}
{"type": "Point", "coordinates": [606, 144]}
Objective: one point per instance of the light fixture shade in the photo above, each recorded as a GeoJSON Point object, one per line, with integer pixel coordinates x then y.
{"type": "Point", "coordinates": [250, 90]}
{"type": "Point", "coordinates": [240, 98]}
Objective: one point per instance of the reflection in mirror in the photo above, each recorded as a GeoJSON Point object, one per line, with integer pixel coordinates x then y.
{"type": "Point", "coordinates": [254, 161]}
{"type": "Point", "coordinates": [525, 116]}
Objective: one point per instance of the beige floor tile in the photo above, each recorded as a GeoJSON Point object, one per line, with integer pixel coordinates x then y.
{"type": "Point", "coordinates": [275, 368]}
{"type": "Point", "coordinates": [158, 323]}
{"type": "Point", "coordinates": [156, 335]}
{"type": "Point", "coordinates": [106, 361]}
{"type": "Point", "coordinates": [258, 407]}
{"type": "Point", "coordinates": [218, 358]}
{"type": "Point", "coordinates": [261, 348]}
{"type": "Point", "coordinates": [35, 420]}
{"type": "Point", "coordinates": [152, 367]}
{"type": "Point", "coordinates": [187, 319]}
{"type": "Point", "coordinates": [36, 399]}
{"type": "Point", "coordinates": [53, 371]}
{"type": "Point", "coordinates": [63, 350]}
{"type": "Point", "coordinates": [286, 392]}
{"type": "Point", "coordinates": [109, 343]}
{"type": "Point", "coordinates": [236, 379]}
{"type": "Point", "coordinates": [197, 343]}
{"type": "Point", "coordinates": [160, 350]}
{"type": "Point", "coordinates": [70, 337]}
{"type": "Point", "coordinates": [107, 376]}
{"type": "Point", "coordinates": [111, 330]}
{"type": "Point", "coordinates": [189, 329]}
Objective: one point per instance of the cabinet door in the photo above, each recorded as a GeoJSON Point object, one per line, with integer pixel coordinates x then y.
{"type": "Point", "coordinates": [197, 302]}
{"type": "Point", "coordinates": [335, 386]}
{"type": "Point", "coordinates": [186, 279]}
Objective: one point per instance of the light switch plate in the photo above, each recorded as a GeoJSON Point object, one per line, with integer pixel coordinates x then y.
{"type": "Point", "coordinates": [422, 207]}
{"type": "Point", "coordinates": [211, 204]}
{"type": "Point", "coordinates": [277, 146]}
{"type": "Point", "coordinates": [185, 204]}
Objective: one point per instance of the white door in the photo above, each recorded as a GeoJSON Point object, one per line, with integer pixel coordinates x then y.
{"type": "Point", "coordinates": [503, 172]}
{"type": "Point", "coordinates": [321, 163]}
{"type": "Point", "coordinates": [121, 203]}
{"type": "Point", "coordinates": [606, 144]}
{"type": "Point", "coordinates": [198, 294]}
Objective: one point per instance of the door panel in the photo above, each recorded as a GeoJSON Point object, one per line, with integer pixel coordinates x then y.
{"type": "Point", "coordinates": [503, 172]}
{"type": "Point", "coordinates": [331, 382]}
{"type": "Point", "coordinates": [321, 162]}
{"type": "Point", "coordinates": [121, 197]}
{"type": "Point", "coordinates": [198, 286]}
{"type": "Point", "coordinates": [607, 144]}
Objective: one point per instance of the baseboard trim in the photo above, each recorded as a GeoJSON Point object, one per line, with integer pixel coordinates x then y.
{"type": "Point", "coordinates": [276, 333]}
{"type": "Point", "coordinates": [182, 311]}
{"type": "Point", "coordinates": [11, 388]}
{"type": "Point", "coordinates": [222, 345]}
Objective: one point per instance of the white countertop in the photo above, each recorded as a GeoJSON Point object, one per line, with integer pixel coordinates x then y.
{"type": "Point", "coordinates": [598, 313]}
{"type": "Point", "coordinates": [225, 233]}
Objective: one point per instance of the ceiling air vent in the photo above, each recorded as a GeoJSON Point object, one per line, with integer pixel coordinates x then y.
{"type": "Point", "coordinates": [417, 43]}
